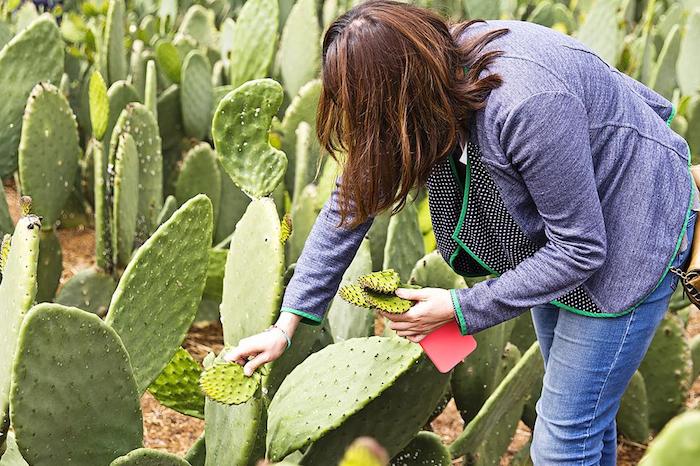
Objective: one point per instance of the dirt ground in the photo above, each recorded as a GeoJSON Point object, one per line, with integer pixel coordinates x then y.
{"type": "Point", "coordinates": [168, 430]}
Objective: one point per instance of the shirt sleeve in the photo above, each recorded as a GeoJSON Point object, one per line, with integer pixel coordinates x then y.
{"type": "Point", "coordinates": [327, 253]}
{"type": "Point", "coordinates": [546, 140]}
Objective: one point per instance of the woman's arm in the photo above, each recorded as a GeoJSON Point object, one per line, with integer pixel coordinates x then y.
{"type": "Point", "coordinates": [546, 139]}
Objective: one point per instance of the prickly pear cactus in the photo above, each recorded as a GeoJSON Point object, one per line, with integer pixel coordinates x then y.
{"type": "Point", "coordinates": [168, 59]}
{"type": "Point", "coordinates": [686, 66]}
{"type": "Point", "coordinates": [254, 41]}
{"type": "Point", "coordinates": [120, 94]}
{"type": "Point", "coordinates": [305, 210]}
{"type": "Point", "coordinates": [32, 56]}
{"type": "Point", "coordinates": [151, 88]}
{"type": "Point", "coordinates": [6, 224]}
{"type": "Point", "coordinates": [426, 449]}
{"type": "Point", "coordinates": [677, 444]}
{"type": "Point", "coordinates": [633, 416]}
{"type": "Point", "coordinates": [506, 398]}
{"type": "Point", "coordinates": [126, 198]}
{"type": "Point", "coordinates": [433, 272]}
{"type": "Point", "coordinates": [343, 409]}
{"type": "Point", "coordinates": [49, 151]}
{"type": "Point", "coordinates": [169, 207]}
{"type": "Point", "coordinates": [663, 78]}
{"type": "Point", "coordinates": [600, 30]}
{"type": "Point", "coordinates": [50, 266]}
{"type": "Point", "coordinates": [404, 244]}
{"type": "Point", "coordinates": [354, 294]}
{"type": "Point", "coordinates": [196, 94]}
{"type": "Point", "coordinates": [240, 131]}
{"type": "Point", "coordinates": [138, 121]}
{"type": "Point", "coordinates": [254, 269]}
{"type": "Point", "coordinates": [307, 159]}
{"type": "Point", "coordinates": [385, 281]}
{"type": "Point", "coordinates": [667, 369]}
{"type": "Point", "coordinates": [17, 291]}
{"type": "Point", "coordinates": [114, 41]}
{"type": "Point", "coordinates": [387, 303]}
{"type": "Point", "coordinates": [99, 105]}
{"type": "Point", "coordinates": [345, 319]}
{"type": "Point", "coordinates": [103, 235]}
{"type": "Point", "coordinates": [90, 290]}
{"type": "Point", "coordinates": [62, 352]}
{"type": "Point", "coordinates": [200, 174]}
{"type": "Point", "coordinates": [233, 203]}
{"type": "Point", "coordinates": [166, 277]}
{"type": "Point", "coordinates": [225, 383]}
{"type": "Point", "coordinates": [196, 455]}
{"type": "Point", "coordinates": [300, 46]}
{"type": "Point", "coordinates": [177, 386]}
{"type": "Point", "coordinates": [148, 457]}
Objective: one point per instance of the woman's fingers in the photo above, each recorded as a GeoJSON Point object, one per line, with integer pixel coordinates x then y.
{"type": "Point", "coordinates": [413, 295]}
{"type": "Point", "coordinates": [242, 352]}
{"type": "Point", "coordinates": [415, 338]}
{"type": "Point", "coordinates": [254, 363]}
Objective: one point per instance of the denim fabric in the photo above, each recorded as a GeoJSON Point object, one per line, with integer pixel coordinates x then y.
{"type": "Point", "coordinates": [588, 364]}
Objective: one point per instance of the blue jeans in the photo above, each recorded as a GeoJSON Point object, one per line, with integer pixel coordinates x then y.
{"type": "Point", "coordinates": [588, 363]}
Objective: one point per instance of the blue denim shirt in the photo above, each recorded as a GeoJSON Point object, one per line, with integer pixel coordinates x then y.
{"type": "Point", "coordinates": [586, 164]}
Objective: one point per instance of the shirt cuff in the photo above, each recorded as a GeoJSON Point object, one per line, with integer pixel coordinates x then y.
{"type": "Point", "coordinates": [306, 318]}
{"type": "Point", "coordinates": [458, 312]}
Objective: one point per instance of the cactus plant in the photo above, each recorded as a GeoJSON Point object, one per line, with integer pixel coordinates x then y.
{"type": "Point", "coordinates": [633, 415]}
{"type": "Point", "coordinates": [686, 66]}
{"type": "Point", "coordinates": [305, 209]}
{"type": "Point", "coordinates": [384, 281]}
{"type": "Point", "coordinates": [404, 243]}
{"type": "Point", "coordinates": [342, 409]}
{"type": "Point", "coordinates": [677, 444]}
{"type": "Point", "coordinates": [196, 455]}
{"type": "Point", "coordinates": [63, 351]}
{"type": "Point", "coordinates": [254, 41]}
{"type": "Point", "coordinates": [168, 59]}
{"type": "Point", "coordinates": [113, 41]}
{"type": "Point", "coordinates": [233, 202]}
{"type": "Point", "coordinates": [425, 449]}
{"type": "Point", "coordinates": [177, 386]}
{"type": "Point", "coordinates": [200, 174]}
{"type": "Point", "coordinates": [151, 89]}
{"type": "Point", "coordinates": [90, 290]}
{"type": "Point", "coordinates": [306, 157]}
{"type": "Point", "coordinates": [169, 207]}
{"type": "Point", "coordinates": [240, 131]}
{"type": "Point", "coordinates": [168, 285]}
{"type": "Point", "coordinates": [196, 94]}
{"type": "Point", "coordinates": [6, 224]}
{"type": "Point", "coordinates": [50, 266]}
{"type": "Point", "coordinates": [600, 30]}
{"type": "Point", "coordinates": [99, 105]}
{"type": "Point", "coordinates": [119, 94]}
{"type": "Point", "coordinates": [17, 291]}
{"type": "Point", "coordinates": [663, 78]}
{"type": "Point", "coordinates": [147, 457]}
{"type": "Point", "coordinates": [225, 383]}
{"type": "Point", "coordinates": [198, 23]}
{"type": "Point", "coordinates": [125, 187]}
{"type": "Point", "coordinates": [387, 303]}
{"type": "Point", "coordinates": [32, 56]}
{"type": "Point", "coordinates": [300, 46]}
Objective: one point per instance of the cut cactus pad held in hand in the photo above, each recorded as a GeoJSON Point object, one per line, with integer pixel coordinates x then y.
{"type": "Point", "coordinates": [226, 383]}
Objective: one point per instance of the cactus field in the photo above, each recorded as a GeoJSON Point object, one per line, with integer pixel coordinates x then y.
{"type": "Point", "coordinates": [161, 173]}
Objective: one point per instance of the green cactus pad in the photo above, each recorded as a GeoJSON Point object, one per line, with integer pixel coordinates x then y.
{"type": "Point", "coordinates": [199, 173]}
{"type": "Point", "coordinates": [307, 158]}
{"type": "Point", "coordinates": [49, 151]}
{"type": "Point", "coordinates": [305, 210]}
{"type": "Point", "coordinates": [137, 67]}
{"type": "Point", "coordinates": [600, 30]}
{"type": "Point", "coordinates": [433, 272]}
{"type": "Point", "coordinates": [32, 56]}
{"type": "Point", "coordinates": [364, 451]}
{"type": "Point", "coordinates": [62, 352]}
{"type": "Point", "coordinates": [197, 453]}
{"type": "Point", "coordinates": [249, 304]}
{"type": "Point", "coordinates": [344, 317]}
{"type": "Point", "coordinates": [302, 108]}
{"type": "Point", "coordinates": [225, 382]}
{"type": "Point", "coordinates": [509, 395]}
{"type": "Point", "coordinates": [11, 456]}
{"type": "Point", "coordinates": [677, 444]}
{"type": "Point", "coordinates": [377, 239]}
{"type": "Point", "coordinates": [198, 23]}
{"type": "Point", "coordinates": [426, 449]}
{"type": "Point", "coordinates": [148, 457]}
{"type": "Point", "coordinates": [99, 105]}
{"type": "Point", "coordinates": [667, 369]}
{"type": "Point", "coordinates": [240, 131]}
{"type": "Point", "coordinates": [168, 59]}
{"type": "Point", "coordinates": [138, 121]}
{"type": "Point", "coordinates": [114, 41]}
{"type": "Point", "coordinates": [50, 266]}
{"type": "Point", "coordinates": [165, 277]}
{"type": "Point", "coordinates": [120, 94]}
{"type": "Point", "coordinates": [254, 41]}
{"type": "Point", "coordinates": [17, 292]}
{"type": "Point", "coordinates": [233, 202]}
{"type": "Point", "coordinates": [126, 199]}
{"type": "Point", "coordinates": [90, 290]}
{"type": "Point", "coordinates": [633, 416]}
{"type": "Point", "coordinates": [196, 94]}
{"type": "Point", "coordinates": [388, 303]}
{"type": "Point", "coordinates": [103, 236]}
{"type": "Point", "coordinates": [300, 46]}
{"type": "Point", "coordinates": [686, 66]}
{"type": "Point", "coordinates": [367, 394]}
{"type": "Point", "coordinates": [151, 88]}
{"type": "Point", "coordinates": [245, 423]}
{"type": "Point", "coordinates": [177, 387]}
{"type": "Point", "coordinates": [355, 295]}
{"type": "Point", "coordinates": [404, 242]}
{"type": "Point", "coordinates": [6, 224]}
{"type": "Point", "coordinates": [213, 289]}
{"type": "Point", "coordinates": [385, 281]}
{"type": "Point", "coordinates": [169, 207]}
{"type": "Point", "coordinates": [663, 77]}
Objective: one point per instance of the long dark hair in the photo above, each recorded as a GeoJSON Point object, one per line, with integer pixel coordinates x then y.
{"type": "Point", "coordinates": [394, 97]}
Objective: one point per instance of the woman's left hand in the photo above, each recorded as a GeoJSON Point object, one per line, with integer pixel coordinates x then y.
{"type": "Point", "coordinates": [432, 310]}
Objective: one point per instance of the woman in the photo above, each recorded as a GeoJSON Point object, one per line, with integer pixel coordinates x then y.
{"type": "Point", "coordinates": [544, 166]}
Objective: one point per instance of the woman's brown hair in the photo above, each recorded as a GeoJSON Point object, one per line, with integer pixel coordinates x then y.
{"type": "Point", "coordinates": [394, 96]}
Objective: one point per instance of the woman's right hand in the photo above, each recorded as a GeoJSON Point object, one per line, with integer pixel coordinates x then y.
{"type": "Point", "coordinates": [256, 350]}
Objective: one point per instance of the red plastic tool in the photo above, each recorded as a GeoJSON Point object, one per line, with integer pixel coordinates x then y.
{"type": "Point", "coordinates": [447, 347]}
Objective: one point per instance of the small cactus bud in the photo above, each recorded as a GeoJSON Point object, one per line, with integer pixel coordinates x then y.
{"type": "Point", "coordinates": [25, 203]}
{"type": "Point", "coordinates": [286, 228]}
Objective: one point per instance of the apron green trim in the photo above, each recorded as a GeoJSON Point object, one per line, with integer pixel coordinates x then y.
{"type": "Point", "coordinates": [460, 243]}
{"type": "Point", "coordinates": [671, 116]}
{"type": "Point", "coordinates": [458, 310]}
{"type": "Point", "coordinates": [305, 316]}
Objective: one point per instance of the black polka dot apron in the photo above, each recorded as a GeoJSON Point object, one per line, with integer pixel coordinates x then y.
{"type": "Point", "coordinates": [474, 231]}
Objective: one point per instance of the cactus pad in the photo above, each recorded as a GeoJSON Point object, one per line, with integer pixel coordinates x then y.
{"type": "Point", "coordinates": [240, 131]}
{"type": "Point", "coordinates": [196, 94]}
{"type": "Point", "coordinates": [148, 457]}
{"type": "Point", "coordinates": [404, 242]}
{"type": "Point", "coordinates": [633, 416]}
{"type": "Point", "coordinates": [299, 51]}
{"type": "Point", "coordinates": [177, 387]}
{"type": "Point", "coordinates": [17, 291]}
{"type": "Point", "coordinates": [90, 290]}
{"type": "Point", "coordinates": [388, 303]}
{"type": "Point", "coordinates": [197, 453]}
{"type": "Point", "coordinates": [254, 41]}
{"type": "Point", "coordinates": [126, 199]}
{"type": "Point", "coordinates": [385, 281]}
{"type": "Point", "coordinates": [354, 294]}
{"type": "Point", "coordinates": [49, 151]}
{"type": "Point", "coordinates": [165, 277]}
{"type": "Point", "coordinates": [677, 444]}
{"type": "Point", "coordinates": [99, 105]}
{"type": "Point", "coordinates": [50, 266]}
{"type": "Point", "coordinates": [113, 41]}
{"type": "Point", "coordinates": [62, 352]}
{"type": "Point", "coordinates": [426, 449]}
{"type": "Point", "coordinates": [225, 382]}
{"type": "Point", "coordinates": [365, 451]}
{"type": "Point", "coordinates": [33, 55]}
{"type": "Point", "coordinates": [342, 409]}
{"type": "Point", "coordinates": [199, 173]}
